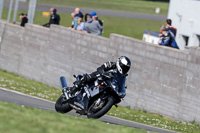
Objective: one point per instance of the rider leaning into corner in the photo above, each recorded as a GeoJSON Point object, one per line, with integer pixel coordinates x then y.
{"type": "Point", "coordinates": [122, 65]}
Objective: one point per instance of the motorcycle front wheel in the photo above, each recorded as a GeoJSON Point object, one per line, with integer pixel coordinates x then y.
{"type": "Point", "coordinates": [104, 106]}
{"type": "Point", "coordinates": [62, 106]}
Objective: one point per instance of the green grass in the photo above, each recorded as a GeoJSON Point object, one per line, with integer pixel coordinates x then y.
{"type": "Point", "coordinates": [124, 26]}
{"type": "Point", "coordinates": [154, 120]}
{"type": "Point", "coordinates": [140, 6]}
{"type": "Point", "coordinates": [17, 119]}
{"type": "Point", "coordinates": [15, 82]}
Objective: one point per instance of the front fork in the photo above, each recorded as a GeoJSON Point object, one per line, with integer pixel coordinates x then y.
{"type": "Point", "coordinates": [64, 87]}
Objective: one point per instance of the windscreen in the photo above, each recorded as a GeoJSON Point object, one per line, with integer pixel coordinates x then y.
{"type": "Point", "coordinates": [118, 83]}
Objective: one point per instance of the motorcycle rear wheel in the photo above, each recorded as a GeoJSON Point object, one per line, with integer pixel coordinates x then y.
{"type": "Point", "coordinates": [109, 102]}
{"type": "Point", "coordinates": [61, 106]}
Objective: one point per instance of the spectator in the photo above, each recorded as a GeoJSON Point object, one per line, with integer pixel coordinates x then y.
{"type": "Point", "coordinates": [75, 22]}
{"type": "Point", "coordinates": [87, 16]}
{"type": "Point", "coordinates": [81, 25]}
{"type": "Point", "coordinates": [24, 19]}
{"type": "Point", "coordinates": [167, 38]}
{"type": "Point", "coordinates": [93, 26]}
{"type": "Point", "coordinates": [72, 16]}
{"type": "Point", "coordinates": [78, 13]}
{"type": "Point", "coordinates": [54, 18]}
{"type": "Point", "coordinates": [169, 27]}
{"type": "Point", "coordinates": [95, 17]}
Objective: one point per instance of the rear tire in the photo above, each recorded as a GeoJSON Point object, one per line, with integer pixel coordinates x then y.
{"type": "Point", "coordinates": [62, 106]}
{"type": "Point", "coordinates": [109, 103]}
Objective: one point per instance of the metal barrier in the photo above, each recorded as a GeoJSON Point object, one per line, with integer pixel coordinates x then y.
{"type": "Point", "coordinates": [31, 10]}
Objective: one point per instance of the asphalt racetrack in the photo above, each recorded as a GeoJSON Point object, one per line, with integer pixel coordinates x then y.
{"type": "Point", "coordinates": [30, 101]}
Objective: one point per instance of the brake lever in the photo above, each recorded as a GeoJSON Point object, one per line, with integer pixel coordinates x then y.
{"type": "Point", "coordinates": [75, 76]}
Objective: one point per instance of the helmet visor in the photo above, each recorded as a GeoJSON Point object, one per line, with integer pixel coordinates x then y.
{"type": "Point", "coordinates": [125, 68]}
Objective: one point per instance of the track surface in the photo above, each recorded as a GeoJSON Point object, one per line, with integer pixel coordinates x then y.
{"type": "Point", "coordinates": [121, 14]}
{"type": "Point", "coordinates": [30, 101]}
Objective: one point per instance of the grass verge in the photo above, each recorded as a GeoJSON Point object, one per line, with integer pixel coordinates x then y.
{"type": "Point", "coordinates": [16, 119]}
{"type": "Point", "coordinates": [124, 26]}
{"type": "Point", "coordinates": [15, 82]}
{"type": "Point", "coordinates": [140, 6]}
{"type": "Point", "coordinates": [154, 120]}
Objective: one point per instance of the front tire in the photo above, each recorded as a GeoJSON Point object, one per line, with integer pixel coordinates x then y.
{"type": "Point", "coordinates": [62, 106]}
{"type": "Point", "coordinates": [109, 102]}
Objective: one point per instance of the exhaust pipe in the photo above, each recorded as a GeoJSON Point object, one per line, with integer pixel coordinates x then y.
{"type": "Point", "coordinates": [63, 83]}
{"type": "Point", "coordinates": [64, 86]}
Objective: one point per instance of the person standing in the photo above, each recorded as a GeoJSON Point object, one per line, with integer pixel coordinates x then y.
{"type": "Point", "coordinates": [72, 16]}
{"type": "Point", "coordinates": [54, 18]}
{"type": "Point", "coordinates": [87, 16]}
{"type": "Point", "coordinates": [95, 17]}
{"type": "Point", "coordinates": [24, 19]}
{"type": "Point", "coordinates": [170, 27]}
{"type": "Point", "coordinates": [81, 25]}
{"type": "Point", "coordinates": [78, 13]}
{"type": "Point", "coordinates": [93, 26]}
{"type": "Point", "coordinates": [167, 38]}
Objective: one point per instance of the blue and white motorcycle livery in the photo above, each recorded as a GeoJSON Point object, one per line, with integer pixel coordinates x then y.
{"type": "Point", "coordinates": [94, 99]}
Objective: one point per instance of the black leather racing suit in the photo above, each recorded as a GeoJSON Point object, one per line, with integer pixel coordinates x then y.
{"type": "Point", "coordinates": [88, 78]}
{"type": "Point", "coordinates": [100, 70]}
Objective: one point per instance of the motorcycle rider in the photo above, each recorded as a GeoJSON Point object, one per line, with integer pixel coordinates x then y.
{"type": "Point", "coordinates": [122, 65]}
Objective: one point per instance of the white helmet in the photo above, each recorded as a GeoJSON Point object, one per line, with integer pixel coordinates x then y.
{"type": "Point", "coordinates": [123, 64]}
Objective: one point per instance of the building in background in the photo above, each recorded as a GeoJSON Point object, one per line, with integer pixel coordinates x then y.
{"type": "Point", "coordinates": [185, 17]}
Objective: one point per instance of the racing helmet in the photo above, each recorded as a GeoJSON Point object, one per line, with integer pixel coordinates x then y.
{"type": "Point", "coordinates": [123, 64]}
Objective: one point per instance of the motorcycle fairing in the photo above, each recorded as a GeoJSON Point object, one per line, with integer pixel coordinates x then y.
{"type": "Point", "coordinates": [118, 84]}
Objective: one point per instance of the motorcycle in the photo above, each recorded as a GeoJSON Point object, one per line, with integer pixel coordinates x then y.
{"type": "Point", "coordinates": [93, 99]}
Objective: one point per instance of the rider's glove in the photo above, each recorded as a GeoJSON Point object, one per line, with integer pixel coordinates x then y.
{"type": "Point", "coordinates": [81, 81]}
